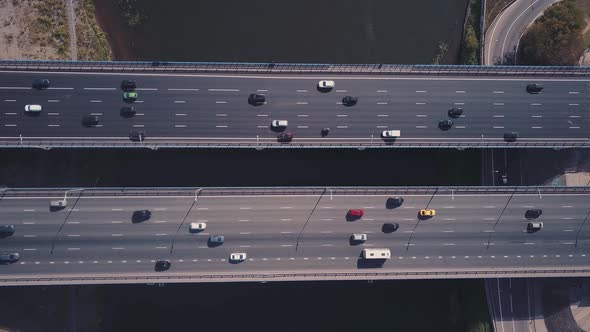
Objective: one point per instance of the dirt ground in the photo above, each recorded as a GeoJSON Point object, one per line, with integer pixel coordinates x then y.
{"type": "Point", "coordinates": [38, 29]}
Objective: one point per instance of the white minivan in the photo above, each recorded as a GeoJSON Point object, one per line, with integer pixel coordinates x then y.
{"type": "Point", "coordinates": [279, 123]}
{"type": "Point", "coordinates": [33, 108]}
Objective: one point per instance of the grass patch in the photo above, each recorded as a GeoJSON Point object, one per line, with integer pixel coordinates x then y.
{"type": "Point", "coordinates": [91, 40]}
{"type": "Point", "coordinates": [470, 45]}
{"type": "Point", "coordinates": [51, 26]}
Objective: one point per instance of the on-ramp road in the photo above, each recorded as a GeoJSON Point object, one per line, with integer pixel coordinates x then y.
{"type": "Point", "coordinates": [503, 35]}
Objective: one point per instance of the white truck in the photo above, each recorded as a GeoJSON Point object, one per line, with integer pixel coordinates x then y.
{"type": "Point", "coordinates": [376, 253]}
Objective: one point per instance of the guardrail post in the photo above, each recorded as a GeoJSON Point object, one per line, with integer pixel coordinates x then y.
{"type": "Point", "coordinates": [371, 139]}
{"type": "Point", "coordinates": [21, 139]}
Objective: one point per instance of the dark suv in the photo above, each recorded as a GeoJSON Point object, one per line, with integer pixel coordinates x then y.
{"type": "Point", "coordinates": [393, 202]}
{"type": "Point", "coordinates": [256, 99]}
{"type": "Point", "coordinates": [455, 112]}
{"type": "Point", "coordinates": [141, 215]}
{"type": "Point", "coordinates": [7, 230]}
{"type": "Point", "coordinates": [510, 136]}
{"type": "Point", "coordinates": [90, 120]}
{"type": "Point", "coordinates": [445, 124]}
{"type": "Point", "coordinates": [137, 135]}
{"type": "Point", "coordinates": [285, 137]}
{"type": "Point", "coordinates": [533, 213]}
{"type": "Point", "coordinates": [534, 88]}
{"type": "Point", "coordinates": [128, 111]}
{"type": "Point", "coordinates": [128, 85]}
{"type": "Point", "coordinates": [163, 265]}
{"type": "Point", "coordinates": [349, 100]}
{"type": "Point", "coordinates": [41, 84]}
{"type": "Point", "coordinates": [389, 227]}
{"type": "Point", "coordinates": [9, 258]}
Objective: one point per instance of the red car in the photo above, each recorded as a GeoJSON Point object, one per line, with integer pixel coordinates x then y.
{"type": "Point", "coordinates": [355, 213]}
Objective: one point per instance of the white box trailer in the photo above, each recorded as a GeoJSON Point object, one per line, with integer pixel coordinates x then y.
{"type": "Point", "coordinates": [374, 253]}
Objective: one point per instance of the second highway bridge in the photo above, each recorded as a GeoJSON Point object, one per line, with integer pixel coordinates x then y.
{"type": "Point", "coordinates": [211, 110]}
{"type": "Point", "coordinates": [292, 233]}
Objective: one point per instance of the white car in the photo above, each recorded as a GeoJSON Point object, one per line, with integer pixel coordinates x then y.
{"type": "Point", "coordinates": [326, 85]}
{"type": "Point", "coordinates": [33, 108]}
{"type": "Point", "coordinates": [279, 123]}
{"type": "Point", "coordinates": [237, 256]}
{"type": "Point", "coordinates": [391, 133]}
{"type": "Point", "coordinates": [197, 226]}
{"type": "Point", "coordinates": [359, 237]}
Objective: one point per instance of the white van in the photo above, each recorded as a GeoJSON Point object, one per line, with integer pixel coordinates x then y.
{"type": "Point", "coordinates": [33, 108]}
{"type": "Point", "coordinates": [391, 133]}
{"type": "Point", "coordinates": [279, 123]}
{"type": "Point", "coordinates": [381, 253]}
{"type": "Point", "coordinates": [197, 226]}
{"type": "Point", "coordinates": [358, 237]}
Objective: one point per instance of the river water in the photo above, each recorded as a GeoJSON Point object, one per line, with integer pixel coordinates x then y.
{"type": "Point", "coordinates": [327, 31]}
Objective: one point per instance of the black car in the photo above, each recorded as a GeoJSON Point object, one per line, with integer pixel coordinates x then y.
{"type": "Point", "coordinates": [128, 85]}
{"type": "Point", "coordinates": [141, 215]}
{"type": "Point", "coordinates": [128, 111]}
{"type": "Point", "coordinates": [7, 230]}
{"type": "Point", "coordinates": [511, 136]}
{"type": "Point", "coordinates": [533, 213]}
{"type": "Point", "coordinates": [455, 112]}
{"type": "Point", "coordinates": [445, 124]}
{"type": "Point", "coordinates": [163, 265]}
{"type": "Point", "coordinates": [389, 227]}
{"type": "Point", "coordinates": [9, 258]}
{"type": "Point", "coordinates": [137, 135]}
{"type": "Point", "coordinates": [393, 202]}
{"type": "Point", "coordinates": [41, 84]}
{"type": "Point", "coordinates": [90, 120]}
{"type": "Point", "coordinates": [349, 100]}
{"type": "Point", "coordinates": [285, 137]}
{"type": "Point", "coordinates": [256, 99]}
{"type": "Point", "coordinates": [534, 88]}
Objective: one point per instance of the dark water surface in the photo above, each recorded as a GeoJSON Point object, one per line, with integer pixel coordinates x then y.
{"type": "Point", "coordinates": [327, 31]}
{"type": "Point", "coordinates": [247, 167]}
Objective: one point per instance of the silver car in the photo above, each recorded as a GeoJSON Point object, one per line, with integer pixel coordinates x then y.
{"type": "Point", "coordinates": [9, 258]}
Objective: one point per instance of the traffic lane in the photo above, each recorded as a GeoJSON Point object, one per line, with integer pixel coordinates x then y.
{"type": "Point", "coordinates": [25, 211]}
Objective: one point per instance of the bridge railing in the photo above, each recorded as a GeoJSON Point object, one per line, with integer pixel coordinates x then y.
{"type": "Point", "coordinates": [291, 191]}
{"type": "Point", "coordinates": [292, 68]}
{"type": "Point", "coordinates": [365, 275]}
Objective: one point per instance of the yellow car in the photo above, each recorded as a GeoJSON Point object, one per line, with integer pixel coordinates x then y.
{"type": "Point", "coordinates": [427, 213]}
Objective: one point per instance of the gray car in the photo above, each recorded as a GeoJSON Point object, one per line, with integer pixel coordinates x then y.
{"type": "Point", "coordinates": [216, 239]}
{"type": "Point", "coordinates": [9, 258]}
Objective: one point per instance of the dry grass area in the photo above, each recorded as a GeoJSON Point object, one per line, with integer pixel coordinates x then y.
{"type": "Point", "coordinates": [91, 40]}
{"type": "Point", "coordinates": [33, 29]}
{"type": "Point", "coordinates": [493, 8]}
{"type": "Point", "coordinates": [38, 29]}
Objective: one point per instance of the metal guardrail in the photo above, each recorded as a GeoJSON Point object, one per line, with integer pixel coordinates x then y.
{"type": "Point", "coordinates": [236, 191]}
{"type": "Point", "coordinates": [292, 68]}
{"type": "Point", "coordinates": [491, 273]}
{"type": "Point", "coordinates": [377, 144]}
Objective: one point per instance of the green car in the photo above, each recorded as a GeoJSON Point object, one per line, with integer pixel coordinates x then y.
{"type": "Point", "coordinates": [130, 96]}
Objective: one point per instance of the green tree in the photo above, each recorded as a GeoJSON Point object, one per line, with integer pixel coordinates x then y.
{"type": "Point", "coordinates": [470, 47]}
{"type": "Point", "coordinates": [556, 38]}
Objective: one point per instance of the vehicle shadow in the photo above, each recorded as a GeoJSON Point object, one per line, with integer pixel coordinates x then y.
{"type": "Point", "coordinates": [213, 244]}
{"type": "Point", "coordinates": [353, 242]}
{"type": "Point", "coordinates": [391, 204]}
{"type": "Point", "coordinates": [277, 129]}
{"type": "Point", "coordinates": [388, 141]}
{"type": "Point", "coordinates": [352, 218]}
{"type": "Point", "coordinates": [5, 235]}
{"type": "Point", "coordinates": [362, 263]}
{"type": "Point", "coordinates": [56, 208]}
{"type": "Point", "coordinates": [136, 219]}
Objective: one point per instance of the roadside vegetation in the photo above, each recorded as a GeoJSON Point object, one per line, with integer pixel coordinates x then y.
{"type": "Point", "coordinates": [91, 40]}
{"type": "Point", "coordinates": [441, 52]}
{"type": "Point", "coordinates": [50, 27]}
{"type": "Point", "coordinates": [556, 38]}
{"type": "Point", "coordinates": [470, 50]}
{"type": "Point", "coordinates": [133, 16]}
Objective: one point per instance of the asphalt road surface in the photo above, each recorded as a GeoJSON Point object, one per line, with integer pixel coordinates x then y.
{"type": "Point", "coordinates": [290, 230]}
{"type": "Point", "coordinates": [193, 110]}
